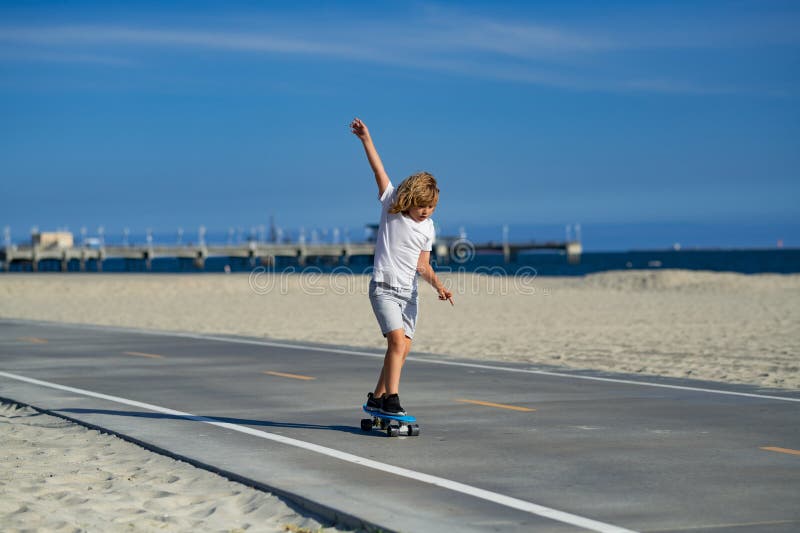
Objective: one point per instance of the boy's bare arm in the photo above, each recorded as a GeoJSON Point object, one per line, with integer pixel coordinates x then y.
{"type": "Point", "coordinates": [426, 271]}
{"type": "Point", "coordinates": [360, 130]}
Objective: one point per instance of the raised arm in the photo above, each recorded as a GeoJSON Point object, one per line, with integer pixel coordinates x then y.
{"type": "Point", "coordinates": [360, 130]}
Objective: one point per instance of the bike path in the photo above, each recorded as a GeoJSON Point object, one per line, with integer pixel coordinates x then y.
{"type": "Point", "coordinates": [500, 448]}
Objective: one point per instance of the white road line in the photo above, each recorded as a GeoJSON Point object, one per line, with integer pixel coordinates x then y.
{"type": "Point", "coordinates": [500, 499]}
{"type": "Point", "coordinates": [481, 366]}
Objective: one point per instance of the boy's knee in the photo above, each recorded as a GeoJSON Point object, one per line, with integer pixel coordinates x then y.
{"type": "Point", "coordinates": [396, 338]}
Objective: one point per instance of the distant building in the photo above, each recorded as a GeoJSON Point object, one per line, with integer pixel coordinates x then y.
{"type": "Point", "coordinates": [54, 239]}
{"type": "Point", "coordinates": [372, 232]}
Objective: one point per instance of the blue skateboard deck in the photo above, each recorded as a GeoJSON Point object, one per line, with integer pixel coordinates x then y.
{"type": "Point", "coordinates": [393, 425]}
{"type": "Point", "coordinates": [406, 419]}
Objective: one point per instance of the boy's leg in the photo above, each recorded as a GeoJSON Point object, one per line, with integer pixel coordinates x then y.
{"type": "Point", "coordinates": [380, 388]}
{"type": "Point", "coordinates": [396, 352]}
{"type": "Point", "coordinates": [408, 349]}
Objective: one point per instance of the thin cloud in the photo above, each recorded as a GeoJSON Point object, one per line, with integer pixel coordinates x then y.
{"type": "Point", "coordinates": [455, 30]}
{"type": "Point", "coordinates": [443, 40]}
{"type": "Point", "coordinates": [635, 29]}
{"type": "Point", "coordinates": [78, 35]}
{"type": "Point", "coordinates": [64, 57]}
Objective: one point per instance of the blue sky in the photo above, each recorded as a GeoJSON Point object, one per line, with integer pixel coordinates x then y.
{"type": "Point", "coordinates": [533, 114]}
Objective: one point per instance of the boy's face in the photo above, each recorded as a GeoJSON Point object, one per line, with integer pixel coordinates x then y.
{"type": "Point", "coordinates": [419, 214]}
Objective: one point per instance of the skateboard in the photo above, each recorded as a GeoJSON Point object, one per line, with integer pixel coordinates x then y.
{"type": "Point", "coordinates": [393, 425]}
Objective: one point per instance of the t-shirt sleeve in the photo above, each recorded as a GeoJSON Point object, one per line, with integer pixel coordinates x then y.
{"type": "Point", "coordinates": [431, 237]}
{"type": "Point", "coordinates": [388, 196]}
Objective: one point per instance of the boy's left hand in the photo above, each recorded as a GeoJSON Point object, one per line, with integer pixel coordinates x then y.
{"type": "Point", "coordinates": [444, 294]}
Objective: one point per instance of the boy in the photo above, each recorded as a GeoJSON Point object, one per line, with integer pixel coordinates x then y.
{"type": "Point", "coordinates": [402, 250]}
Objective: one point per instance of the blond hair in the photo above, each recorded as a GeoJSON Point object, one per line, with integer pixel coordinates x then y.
{"type": "Point", "coordinates": [417, 190]}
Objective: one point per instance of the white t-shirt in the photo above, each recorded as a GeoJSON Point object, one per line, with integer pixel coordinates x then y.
{"type": "Point", "coordinates": [399, 242]}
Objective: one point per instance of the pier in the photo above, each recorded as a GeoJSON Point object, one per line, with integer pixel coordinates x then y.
{"type": "Point", "coordinates": [60, 247]}
{"type": "Point", "coordinates": [447, 250]}
{"type": "Point", "coordinates": [254, 252]}
{"type": "Point", "coordinates": [573, 249]}
{"type": "Point", "coordinates": [454, 249]}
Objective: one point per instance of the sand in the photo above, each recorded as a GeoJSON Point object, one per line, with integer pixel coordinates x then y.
{"type": "Point", "coordinates": [62, 477]}
{"type": "Point", "coordinates": [58, 476]}
{"type": "Point", "coordinates": [702, 325]}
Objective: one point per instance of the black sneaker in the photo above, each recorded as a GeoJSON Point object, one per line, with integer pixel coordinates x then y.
{"type": "Point", "coordinates": [373, 402]}
{"type": "Point", "coordinates": [391, 406]}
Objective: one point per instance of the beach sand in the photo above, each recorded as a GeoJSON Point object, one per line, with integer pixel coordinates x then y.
{"type": "Point", "coordinates": [59, 476]}
{"type": "Point", "coordinates": [714, 326]}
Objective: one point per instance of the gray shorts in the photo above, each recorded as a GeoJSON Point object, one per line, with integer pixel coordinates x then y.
{"type": "Point", "coordinates": [395, 308]}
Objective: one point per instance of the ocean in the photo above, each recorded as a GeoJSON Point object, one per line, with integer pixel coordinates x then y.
{"type": "Point", "coordinates": [745, 261]}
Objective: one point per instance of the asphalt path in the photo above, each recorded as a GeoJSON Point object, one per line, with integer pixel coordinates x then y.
{"type": "Point", "coordinates": [506, 447]}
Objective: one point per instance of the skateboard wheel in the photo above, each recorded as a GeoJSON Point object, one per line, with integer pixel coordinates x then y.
{"type": "Point", "coordinates": [413, 430]}
{"type": "Point", "coordinates": [366, 424]}
{"type": "Point", "coordinates": [393, 431]}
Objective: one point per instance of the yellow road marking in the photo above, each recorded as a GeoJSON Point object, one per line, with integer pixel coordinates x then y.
{"type": "Point", "coordinates": [780, 450]}
{"type": "Point", "coordinates": [34, 340]}
{"type": "Point", "coordinates": [498, 405]}
{"type": "Point", "coordinates": [724, 526]}
{"type": "Point", "coordinates": [285, 375]}
{"type": "Point", "coordinates": [150, 355]}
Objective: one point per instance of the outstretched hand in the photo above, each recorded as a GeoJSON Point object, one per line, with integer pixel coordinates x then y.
{"type": "Point", "coordinates": [359, 129]}
{"type": "Point", "coordinates": [444, 294]}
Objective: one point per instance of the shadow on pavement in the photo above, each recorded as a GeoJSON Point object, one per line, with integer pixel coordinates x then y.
{"type": "Point", "coordinates": [227, 420]}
